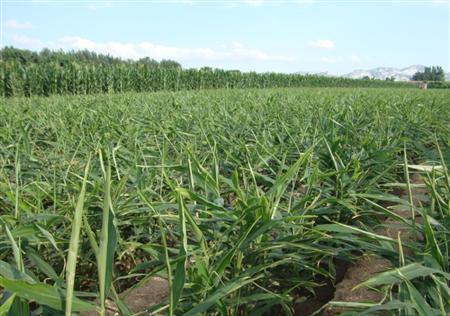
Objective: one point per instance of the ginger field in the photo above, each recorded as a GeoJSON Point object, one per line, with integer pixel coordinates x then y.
{"type": "Point", "coordinates": [244, 201]}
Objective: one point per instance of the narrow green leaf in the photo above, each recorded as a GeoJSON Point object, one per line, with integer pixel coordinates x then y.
{"type": "Point", "coordinates": [46, 268]}
{"type": "Point", "coordinates": [418, 301]}
{"type": "Point", "coordinates": [408, 272]}
{"type": "Point", "coordinates": [391, 305]}
{"type": "Point", "coordinates": [73, 246]}
{"type": "Point", "coordinates": [180, 270]}
{"type": "Point", "coordinates": [342, 228]}
{"type": "Point", "coordinates": [168, 267]}
{"type": "Point", "coordinates": [4, 308]}
{"type": "Point", "coordinates": [44, 294]}
{"type": "Point", "coordinates": [12, 273]}
{"type": "Point", "coordinates": [16, 249]}
{"type": "Point", "coordinates": [108, 242]}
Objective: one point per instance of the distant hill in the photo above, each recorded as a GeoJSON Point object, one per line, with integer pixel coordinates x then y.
{"type": "Point", "coordinates": [400, 74]}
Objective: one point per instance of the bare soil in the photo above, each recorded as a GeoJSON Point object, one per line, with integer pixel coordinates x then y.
{"type": "Point", "coordinates": [154, 291]}
{"type": "Point", "coordinates": [147, 293]}
{"type": "Point", "coordinates": [368, 266]}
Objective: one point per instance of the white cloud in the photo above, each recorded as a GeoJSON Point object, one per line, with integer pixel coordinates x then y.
{"type": "Point", "coordinates": [236, 45]}
{"type": "Point", "coordinates": [75, 42]}
{"type": "Point", "coordinates": [325, 44]}
{"type": "Point", "coordinates": [14, 25]}
{"type": "Point", "coordinates": [135, 50]}
{"type": "Point", "coordinates": [163, 52]}
{"type": "Point", "coordinates": [128, 50]}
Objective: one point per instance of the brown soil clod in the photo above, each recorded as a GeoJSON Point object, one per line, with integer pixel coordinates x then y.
{"type": "Point", "coordinates": [138, 299]}
{"type": "Point", "coordinates": [363, 269]}
{"type": "Point", "coordinates": [154, 291]}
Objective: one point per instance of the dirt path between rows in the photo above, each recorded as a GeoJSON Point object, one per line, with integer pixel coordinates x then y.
{"type": "Point", "coordinates": [368, 266]}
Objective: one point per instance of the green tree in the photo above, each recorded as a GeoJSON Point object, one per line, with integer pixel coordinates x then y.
{"type": "Point", "coordinates": [434, 73]}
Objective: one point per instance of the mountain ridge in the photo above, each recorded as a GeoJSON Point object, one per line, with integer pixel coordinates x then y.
{"type": "Point", "coordinates": [400, 74]}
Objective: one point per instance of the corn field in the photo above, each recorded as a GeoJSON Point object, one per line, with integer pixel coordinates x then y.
{"type": "Point", "coordinates": [75, 78]}
{"type": "Point", "coordinates": [243, 200]}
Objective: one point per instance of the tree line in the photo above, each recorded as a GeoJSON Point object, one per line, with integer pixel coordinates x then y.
{"type": "Point", "coordinates": [434, 73]}
{"type": "Point", "coordinates": [85, 57]}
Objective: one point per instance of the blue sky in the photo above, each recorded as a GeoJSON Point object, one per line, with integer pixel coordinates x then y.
{"type": "Point", "coordinates": [288, 36]}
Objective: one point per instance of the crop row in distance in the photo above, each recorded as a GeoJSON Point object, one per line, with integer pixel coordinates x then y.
{"type": "Point", "coordinates": [243, 199]}
{"type": "Point", "coordinates": [78, 78]}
